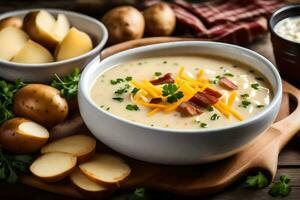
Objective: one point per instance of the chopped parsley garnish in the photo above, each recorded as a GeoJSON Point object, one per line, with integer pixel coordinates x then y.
{"type": "Point", "coordinates": [140, 63]}
{"type": "Point", "coordinates": [260, 78]}
{"type": "Point", "coordinates": [257, 181]}
{"type": "Point", "coordinates": [119, 99]}
{"type": "Point", "coordinates": [255, 86]}
{"type": "Point", "coordinates": [107, 108]}
{"type": "Point", "coordinates": [128, 78]}
{"type": "Point", "coordinates": [139, 194]}
{"type": "Point", "coordinates": [245, 104]}
{"type": "Point", "coordinates": [170, 91]}
{"type": "Point", "coordinates": [215, 117]}
{"type": "Point", "coordinates": [201, 124]}
{"type": "Point", "coordinates": [157, 74]}
{"type": "Point", "coordinates": [123, 90]}
{"type": "Point", "coordinates": [210, 109]}
{"type": "Point", "coordinates": [281, 188]}
{"type": "Point", "coordinates": [134, 90]}
{"type": "Point", "coordinates": [245, 95]}
{"type": "Point", "coordinates": [260, 106]}
{"type": "Point", "coordinates": [132, 107]}
{"type": "Point", "coordinates": [117, 81]}
{"type": "Point", "coordinates": [165, 62]}
{"type": "Point", "coordinates": [217, 78]}
{"type": "Point", "coordinates": [228, 74]}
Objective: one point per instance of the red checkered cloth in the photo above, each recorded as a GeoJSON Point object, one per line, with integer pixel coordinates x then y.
{"type": "Point", "coordinates": [233, 21]}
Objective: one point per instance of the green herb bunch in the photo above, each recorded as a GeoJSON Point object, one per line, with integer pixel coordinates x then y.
{"type": "Point", "coordinates": [10, 165]}
{"type": "Point", "coordinates": [7, 92]}
{"type": "Point", "coordinates": [171, 92]}
{"type": "Point", "coordinates": [68, 86]}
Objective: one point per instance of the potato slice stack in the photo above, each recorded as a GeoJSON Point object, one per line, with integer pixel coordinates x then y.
{"type": "Point", "coordinates": [95, 174]}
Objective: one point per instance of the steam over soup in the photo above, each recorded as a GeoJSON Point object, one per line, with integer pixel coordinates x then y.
{"type": "Point", "coordinates": [182, 92]}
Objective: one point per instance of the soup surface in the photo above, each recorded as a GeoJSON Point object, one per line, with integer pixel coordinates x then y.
{"type": "Point", "coordinates": [182, 92]}
{"type": "Point", "coordinates": [289, 28]}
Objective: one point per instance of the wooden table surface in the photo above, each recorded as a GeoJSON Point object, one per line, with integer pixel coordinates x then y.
{"type": "Point", "coordinates": [289, 164]}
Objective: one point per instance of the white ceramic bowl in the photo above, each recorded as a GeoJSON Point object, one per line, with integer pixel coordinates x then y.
{"type": "Point", "coordinates": [44, 72]}
{"type": "Point", "coordinates": [173, 146]}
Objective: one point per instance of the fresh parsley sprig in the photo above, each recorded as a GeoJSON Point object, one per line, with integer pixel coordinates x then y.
{"type": "Point", "coordinates": [10, 165]}
{"type": "Point", "coordinates": [281, 188]}
{"type": "Point", "coordinates": [7, 92]}
{"type": "Point", "coordinates": [138, 194]}
{"type": "Point", "coordinates": [171, 92]}
{"type": "Point", "coordinates": [68, 85]}
{"type": "Point", "coordinates": [257, 181]}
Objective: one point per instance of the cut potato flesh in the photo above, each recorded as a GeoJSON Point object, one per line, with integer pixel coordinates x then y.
{"type": "Point", "coordinates": [61, 27]}
{"type": "Point", "coordinates": [74, 44]}
{"type": "Point", "coordinates": [12, 40]}
{"type": "Point", "coordinates": [84, 183]}
{"type": "Point", "coordinates": [33, 129]}
{"type": "Point", "coordinates": [81, 146]}
{"type": "Point", "coordinates": [45, 21]}
{"type": "Point", "coordinates": [106, 169]}
{"type": "Point", "coordinates": [33, 53]}
{"type": "Point", "coordinates": [53, 167]}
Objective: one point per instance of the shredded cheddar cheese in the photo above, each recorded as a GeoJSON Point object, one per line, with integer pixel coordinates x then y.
{"type": "Point", "coordinates": [231, 99]}
{"type": "Point", "coordinates": [153, 112]}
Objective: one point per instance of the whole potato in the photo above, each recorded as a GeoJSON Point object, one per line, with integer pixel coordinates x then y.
{"type": "Point", "coordinates": [124, 23]}
{"type": "Point", "coordinates": [20, 135]}
{"type": "Point", "coordinates": [40, 103]}
{"type": "Point", "coordinates": [160, 20]}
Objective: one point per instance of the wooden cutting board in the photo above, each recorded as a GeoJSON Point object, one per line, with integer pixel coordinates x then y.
{"type": "Point", "coordinates": [261, 154]}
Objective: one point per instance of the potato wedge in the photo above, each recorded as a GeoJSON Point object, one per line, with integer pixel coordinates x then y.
{"type": "Point", "coordinates": [11, 21]}
{"type": "Point", "coordinates": [33, 53]}
{"type": "Point", "coordinates": [20, 135]}
{"type": "Point", "coordinates": [53, 167]}
{"type": "Point", "coordinates": [40, 103]}
{"type": "Point", "coordinates": [39, 26]}
{"type": "Point", "coordinates": [75, 43]}
{"type": "Point", "coordinates": [87, 187]}
{"type": "Point", "coordinates": [81, 146]}
{"type": "Point", "coordinates": [12, 40]}
{"type": "Point", "coordinates": [106, 169]}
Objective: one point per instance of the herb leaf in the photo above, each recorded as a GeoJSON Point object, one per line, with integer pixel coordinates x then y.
{"type": "Point", "coordinates": [157, 74]}
{"type": "Point", "coordinates": [123, 90]}
{"type": "Point", "coordinates": [68, 85]}
{"type": "Point", "coordinates": [215, 117]}
{"type": "Point", "coordinates": [117, 81]}
{"type": "Point", "coordinates": [128, 78]}
{"type": "Point", "coordinates": [132, 107]}
{"type": "Point", "coordinates": [255, 86]}
{"type": "Point", "coordinates": [119, 99]}
{"type": "Point", "coordinates": [229, 74]}
{"type": "Point", "coordinates": [170, 90]}
{"type": "Point", "coordinates": [257, 181]}
{"type": "Point", "coordinates": [281, 188]}
{"type": "Point", "coordinates": [175, 97]}
{"type": "Point", "coordinates": [245, 95]}
{"type": "Point", "coordinates": [245, 104]}
{"type": "Point", "coordinates": [134, 90]}
{"type": "Point", "coordinates": [138, 194]}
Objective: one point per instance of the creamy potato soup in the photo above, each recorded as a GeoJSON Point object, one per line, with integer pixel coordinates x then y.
{"type": "Point", "coordinates": [289, 28]}
{"type": "Point", "coordinates": [182, 92]}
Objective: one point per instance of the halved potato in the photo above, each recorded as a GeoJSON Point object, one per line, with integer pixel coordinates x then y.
{"type": "Point", "coordinates": [74, 44]}
{"type": "Point", "coordinates": [53, 167]}
{"type": "Point", "coordinates": [33, 53]}
{"type": "Point", "coordinates": [106, 169]}
{"type": "Point", "coordinates": [39, 26]}
{"type": "Point", "coordinates": [81, 146]}
{"type": "Point", "coordinates": [87, 187]}
{"type": "Point", "coordinates": [61, 27]}
{"type": "Point", "coordinates": [12, 40]}
{"type": "Point", "coordinates": [20, 135]}
{"type": "Point", "coordinates": [11, 21]}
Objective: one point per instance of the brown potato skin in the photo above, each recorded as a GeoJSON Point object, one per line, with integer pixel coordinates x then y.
{"type": "Point", "coordinates": [124, 23]}
{"type": "Point", "coordinates": [13, 141]}
{"type": "Point", "coordinates": [40, 103]}
{"type": "Point", "coordinates": [160, 20]}
{"type": "Point", "coordinates": [11, 21]}
{"type": "Point", "coordinates": [30, 27]}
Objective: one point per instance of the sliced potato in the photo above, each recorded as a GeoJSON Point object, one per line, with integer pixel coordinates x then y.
{"type": "Point", "coordinates": [20, 135]}
{"type": "Point", "coordinates": [74, 44]}
{"type": "Point", "coordinates": [11, 21]}
{"type": "Point", "coordinates": [12, 40]}
{"type": "Point", "coordinates": [105, 169]}
{"type": "Point", "coordinates": [87, 187]}
{"type": "Point", "coordinates": [40, 103]}
{"type": "Point", "coordinates": [61, 27]}
{"type": "Point", "coordinates": [53, 167]}
{"type": "Point", "coordinates": [33, 53]}
{"type": "Point", "coordinates": [81, 146]}
{"type": "Point", "coordinates": [39, 26]}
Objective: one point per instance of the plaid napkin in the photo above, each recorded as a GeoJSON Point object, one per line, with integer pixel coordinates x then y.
{"type": "Point", "coordinates": [233, 21]}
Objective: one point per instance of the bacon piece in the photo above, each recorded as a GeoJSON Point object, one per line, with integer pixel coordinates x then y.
{"type": "Point", "coordinates": [167, 78]}
{"type": "Point", "coordinates": [189, 109]}
{"type": "Point", "coordinates": [155, 100]}
{"type": "Point", "coordinates": [212, 92]}
{"type": "Point", "coordinates": [203, 100]}
{"type": "Point", "coordinates": [225, 82]}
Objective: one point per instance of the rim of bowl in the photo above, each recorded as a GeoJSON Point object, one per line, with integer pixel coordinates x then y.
{"type": "Point", "coordinates": [97, 48]}
{"type": "Point", "coordinates": [277, 91]}
{"type": "Point", "coordinates": [277, 12]}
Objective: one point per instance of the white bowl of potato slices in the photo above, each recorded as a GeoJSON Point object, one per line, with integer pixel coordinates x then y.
{"type": "Point", "coordinates": [37, 43]}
